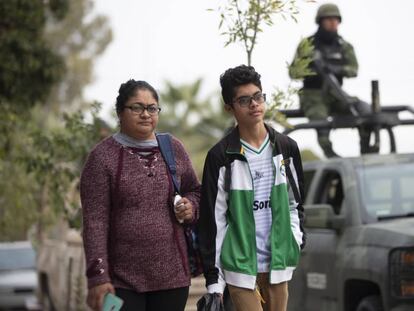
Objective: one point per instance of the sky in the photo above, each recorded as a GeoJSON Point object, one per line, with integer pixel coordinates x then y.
{"type": "Point", "coordinates": [179, 41]}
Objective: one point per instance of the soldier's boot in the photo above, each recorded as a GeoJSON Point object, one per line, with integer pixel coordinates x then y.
{"type": "Point", "coordinates": [325, 143]}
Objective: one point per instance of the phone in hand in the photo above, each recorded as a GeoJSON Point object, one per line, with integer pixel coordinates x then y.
{"type": "Point", "coordinates": [112, 303]}
{"type": "Point", "coordinates": [177, 207]}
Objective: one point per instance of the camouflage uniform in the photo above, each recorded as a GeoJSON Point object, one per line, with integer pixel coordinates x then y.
{"type": "Point", "coordinates": [339, 57]}
{"type": "Point", "coordinates": [315, 101]}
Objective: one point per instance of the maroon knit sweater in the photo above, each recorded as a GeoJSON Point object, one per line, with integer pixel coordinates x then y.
{"type": "Point", "coordinates": [131, 237]}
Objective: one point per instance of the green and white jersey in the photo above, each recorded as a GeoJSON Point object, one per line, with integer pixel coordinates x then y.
{"type": "Point", "coordinates": [260, 163]}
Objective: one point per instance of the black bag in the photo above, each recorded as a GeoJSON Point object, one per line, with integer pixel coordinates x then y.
{"type": "Point", "coordinates": [190, 231]}
{"type": "Point", "coordinates": [210, 302]}
{"type": "Point", "coordinates": [193, 250]}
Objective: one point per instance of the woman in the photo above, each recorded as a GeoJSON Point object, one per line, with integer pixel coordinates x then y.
{"type": "Point", "coordinates": [134, 244]}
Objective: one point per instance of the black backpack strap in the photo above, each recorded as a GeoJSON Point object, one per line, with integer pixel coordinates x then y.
{"type": "Point", "coordinates": [165, 145]}
{"type": "Point", "coordinates": [292, 181]}
{"type": "Point", "coordinates": [227, 176]}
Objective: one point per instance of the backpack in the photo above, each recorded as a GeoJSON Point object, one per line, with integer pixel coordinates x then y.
{"type": "Point", "coordinates": [190, 230]}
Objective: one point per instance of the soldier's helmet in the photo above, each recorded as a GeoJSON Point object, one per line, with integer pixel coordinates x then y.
{"type": "Point", "coordinates": [328, 10]}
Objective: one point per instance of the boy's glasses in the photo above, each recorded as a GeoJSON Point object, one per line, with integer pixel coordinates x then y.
{"type": "Point", "coordinates": [245, 101]}
{"type": "Point", "coordinates": [140, 108]}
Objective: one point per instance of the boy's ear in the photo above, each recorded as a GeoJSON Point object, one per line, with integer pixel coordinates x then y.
{"type": "Point", "coordinates": [228, 108]}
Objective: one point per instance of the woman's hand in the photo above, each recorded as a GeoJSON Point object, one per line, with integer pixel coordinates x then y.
{"type": "Point", "coordinates": [96, 295]}
{"type": "Point", "coordinates": [184, 210]}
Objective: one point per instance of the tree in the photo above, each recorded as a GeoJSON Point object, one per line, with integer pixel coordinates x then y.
{"type": "Point", "coordinates": [40, 184]}
{"type": "Point", "coordinates": [28, 68]}
{"type": "Point", "coordinates": [243, 20]}
{"type": "Point", "coordinates": [39, 163]}
{"type": "Point", "coordinates": [199, 123]}
{"type": "Point", "coordinates": [79, 39]}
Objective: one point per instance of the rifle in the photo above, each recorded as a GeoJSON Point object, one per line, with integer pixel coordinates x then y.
{"type": "Point", "coordinates": [331, 84]}
{"type": "Point", "coordinates": [356, 106]}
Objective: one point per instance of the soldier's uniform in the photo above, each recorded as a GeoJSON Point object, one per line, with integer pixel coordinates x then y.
{"type": "Point", "coordinates": [339, 58]}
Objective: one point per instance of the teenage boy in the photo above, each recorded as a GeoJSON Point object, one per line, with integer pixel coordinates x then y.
{"type": "Point", "coordinates": [250, 225]}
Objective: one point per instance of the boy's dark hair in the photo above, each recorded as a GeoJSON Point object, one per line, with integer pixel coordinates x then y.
{"type": "Point", "coordinates": [128, 90]}
{"type": "Point", "coordinates": [234, 77]}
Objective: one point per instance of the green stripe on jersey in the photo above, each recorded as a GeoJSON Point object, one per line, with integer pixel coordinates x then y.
{"type": "Point", "coordinates": [255, 150]}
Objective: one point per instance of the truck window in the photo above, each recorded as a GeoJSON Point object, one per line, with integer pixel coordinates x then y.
{"type": "Point", "coordinates": [331, 191]}
{"type": "Point", "coordinates": [387, 190]}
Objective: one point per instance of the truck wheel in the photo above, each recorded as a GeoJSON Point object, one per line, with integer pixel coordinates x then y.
{"type": "Point", "coordinates": [370, 303]}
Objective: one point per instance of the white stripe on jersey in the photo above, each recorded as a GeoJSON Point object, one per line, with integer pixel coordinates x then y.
{"type": "Point", "coordinates": [260, 163]}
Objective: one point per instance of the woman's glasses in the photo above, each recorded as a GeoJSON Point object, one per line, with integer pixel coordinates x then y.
{"type": "Point", "coordinates": [140, 108]}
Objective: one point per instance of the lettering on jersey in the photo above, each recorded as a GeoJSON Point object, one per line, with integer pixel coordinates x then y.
{"type": "Point", "coordinates": [257, 175]}
{"type": "Point", "coordinates": [258, 205]}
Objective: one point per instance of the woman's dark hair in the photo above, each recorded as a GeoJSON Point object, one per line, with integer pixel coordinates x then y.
{"type": "Point", "coordinates": [237, 76]}
{"type": "Point", "coordinates": [128, 89]}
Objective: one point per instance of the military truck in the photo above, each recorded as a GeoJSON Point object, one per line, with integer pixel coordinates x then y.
{"type": "Point", "coordinates": [359, 222]}
{"type": "Point", "coordinates": [360, 236]}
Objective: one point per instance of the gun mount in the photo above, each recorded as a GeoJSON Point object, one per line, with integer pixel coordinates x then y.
{"type": "Point", "coordinates": [368, 119]}
{"type": "Point", "coordinates": [385, 118]}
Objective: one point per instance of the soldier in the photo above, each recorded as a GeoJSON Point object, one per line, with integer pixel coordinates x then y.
{"type": "Point", "coordinates": [336, 57]}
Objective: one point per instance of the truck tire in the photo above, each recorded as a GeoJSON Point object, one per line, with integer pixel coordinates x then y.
{"type": "Point", "coordinates": [370, 303]}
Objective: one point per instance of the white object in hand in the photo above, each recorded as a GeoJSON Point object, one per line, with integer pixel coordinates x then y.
{"type": "Point", "coordinates": [176, 199]}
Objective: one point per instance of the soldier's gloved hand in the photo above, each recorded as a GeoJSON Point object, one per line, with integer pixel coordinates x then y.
{"type": "Point", "coordinates": [334, 69]}
{"type": "Point", "coordinates": [317, 63]}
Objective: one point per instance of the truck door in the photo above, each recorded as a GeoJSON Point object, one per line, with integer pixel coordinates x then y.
{"type": "Point", "coordinates": [319, 260]}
